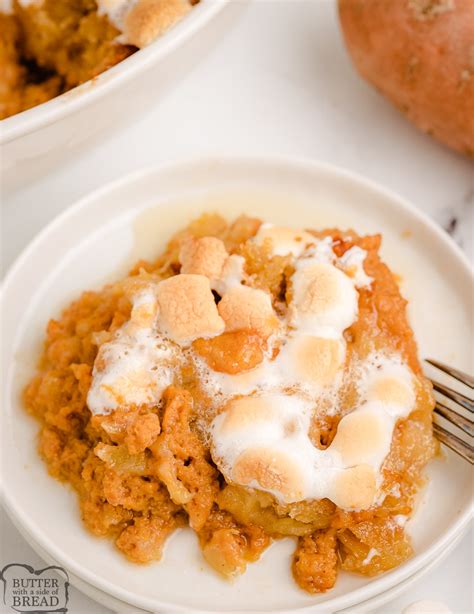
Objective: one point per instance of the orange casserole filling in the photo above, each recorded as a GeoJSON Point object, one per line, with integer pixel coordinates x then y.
{"type": "Point", "coordinates": [141, 471]}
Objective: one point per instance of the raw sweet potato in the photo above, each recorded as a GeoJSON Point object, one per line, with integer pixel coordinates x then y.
{"type": "Point", "coordinates": [420, 55]}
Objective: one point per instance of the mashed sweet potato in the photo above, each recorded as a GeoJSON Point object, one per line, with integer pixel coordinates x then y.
{"type": "Point", "coordinates": [142, 472]}
{"type": "Point", "coordinates": [48, 49]}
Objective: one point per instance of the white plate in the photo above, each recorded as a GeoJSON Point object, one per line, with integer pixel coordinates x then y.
{"type": "Point", "coordinates": [120, 607]}
{"type": "Point", "coordinates": [97, 240]}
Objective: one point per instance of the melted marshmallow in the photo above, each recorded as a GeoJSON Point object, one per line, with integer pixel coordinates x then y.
{"type": "Point", "coordinates": [232, 275]}
{"type": "Point", "coordinates": [352, 263]}
{"type": "Point", "coordinates": [370, 555]}
{"type": "Point", "coordinates": [311, 353]}
{"type": "Point", "coordinates": [284, 241]}
{"type": "Point", "coordinates": [309, 362]}
{"type": "Point", "coordinates": [386, 381]}
{"type": "Point", "coordinates": [136, 366]}
{"type": "Point", "coordinates": [324, 299]}
{"type": "Point", "coordinates": [314, 377]}
{"type": "Point", "coordinates": [261, 439]}
{"type": "Point", "coordinates": [263, 442]}
{"type": "Point", "coordinates": [270, 424]}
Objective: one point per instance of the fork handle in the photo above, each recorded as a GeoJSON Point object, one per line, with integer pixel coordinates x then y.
{"type": "Point", "coordinates": [454, 443]}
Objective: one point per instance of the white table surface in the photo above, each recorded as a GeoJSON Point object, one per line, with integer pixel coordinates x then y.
{"type": "Point", "coordinates": [278, 82]}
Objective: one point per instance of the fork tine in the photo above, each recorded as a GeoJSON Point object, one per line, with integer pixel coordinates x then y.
{"type": "Point", "coordinates": [452, 416]}
{"type": "Point", "coordinates": [464, 378]}
{"type": "Point", "coordinates": [457, 445]}
{"type": "Point", "coordinates": [457, 397]}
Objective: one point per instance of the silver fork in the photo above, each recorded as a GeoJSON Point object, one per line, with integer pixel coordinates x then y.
{"type": "Point", "coordinates": [459, 413]}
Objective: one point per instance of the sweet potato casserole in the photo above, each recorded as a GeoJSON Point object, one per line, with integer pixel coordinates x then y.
{"type": "Point", "coordinates": [49, 46]}
{"type": "Point", "coordinates": [254, 382]}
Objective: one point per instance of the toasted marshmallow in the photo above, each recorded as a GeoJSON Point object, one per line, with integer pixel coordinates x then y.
{"type": "Point", "coordinates": [256, 442]}
{"type": "Point", "coordinates": [244, 413]}
{"type": "Point", "coordinates": [263, 442]}
{"type": "Point", "coordinates": [252, 420]}
{"type": "Point", "coordinates": [324, 301]}
{"type": "Point", "coordinates": [149, 19]}
{"type": "Point", "coordinates": [352, 263]}
{"type": "Point", "coordinates": [208, 256]}
{"type": "Point", "coordinates": [363, 436]}
{"type": "Point", "coordinates": [136, 366]}
{"type": "Point", "coordinates": [311, 361]}
{"type": "Point", "coordinates": [284, 241]}
{"type": "Point", "coordinates": [280, 421]}
{"type": "Point", "coordinates": [243, 307]}
{"type": "Point", "coordinates": [224, 386]}
{"type": "Point", "coordinates": [204, 256]}
{"type": "Point", "coordinates": [255, 437]}
{"type": "Point", "coordinates": [271, 470]}
{"type": "Point", "coordinates": [354, 488]}
{"type": "Point", "coordinates": [142, 21]}
{"type": "Point", "coordinates": [391, 391]}
{"type": "Point", "coordinates": [389, 382]}
{"type": "Point", "coordinates": [187, 310]}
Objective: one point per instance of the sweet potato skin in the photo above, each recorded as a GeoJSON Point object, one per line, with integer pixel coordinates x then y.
{"type": "Point", "coordinates": [420, 55]}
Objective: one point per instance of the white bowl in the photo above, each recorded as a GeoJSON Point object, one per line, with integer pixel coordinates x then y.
{"type": "Point", "coordinates": [40, 138]}
{"type": "Point", "coordinates": [96, 241]}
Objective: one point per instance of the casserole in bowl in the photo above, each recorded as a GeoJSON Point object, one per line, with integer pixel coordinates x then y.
{"type": "Point", "coordinates": [43, 136]}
